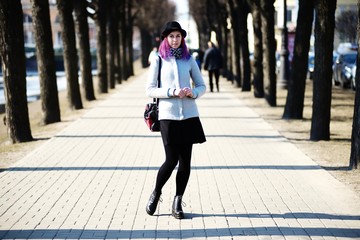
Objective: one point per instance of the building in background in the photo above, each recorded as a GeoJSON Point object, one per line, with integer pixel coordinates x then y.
{"type": "Point", "coordinates": [29, 38]}
{"type": "Point", "coordinates": [291, 15]}
{"type": "Point", "coordinates": [292, 11]}
{"type": "Point", "coordinates": [55, 25]}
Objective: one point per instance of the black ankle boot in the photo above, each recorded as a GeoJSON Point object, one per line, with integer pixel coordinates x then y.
{"type": "Point", "coordinates": [153, 202]}
{"type": "Point", "coordinates": [177, 211]}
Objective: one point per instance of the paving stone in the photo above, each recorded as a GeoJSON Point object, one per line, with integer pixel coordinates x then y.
{"type": "Point", "coordinates": [94, 178]}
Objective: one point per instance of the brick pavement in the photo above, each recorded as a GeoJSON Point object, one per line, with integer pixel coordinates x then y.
{"type": "Point", "coordinates": [93, 180]}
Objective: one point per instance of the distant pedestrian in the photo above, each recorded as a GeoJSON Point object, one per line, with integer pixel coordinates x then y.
{"type": "Point", "coordinates": [213, 62]}
{"type": "Point", "coordinates": [180, 125]}
{"type": "Point", "coordinates": [196, 56]}
{"type": "Point", "coordinates": [153, 54]}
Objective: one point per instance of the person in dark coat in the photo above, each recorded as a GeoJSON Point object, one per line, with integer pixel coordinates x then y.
{"type": "Point", "coordinates": [213, 62]}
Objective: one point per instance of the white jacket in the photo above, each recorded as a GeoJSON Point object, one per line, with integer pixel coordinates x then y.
{"type": "Point", "coordinates": [175, 74]}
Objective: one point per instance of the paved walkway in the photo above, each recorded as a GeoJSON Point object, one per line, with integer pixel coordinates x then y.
{"type": "Point", "coordinates": [93, 180]}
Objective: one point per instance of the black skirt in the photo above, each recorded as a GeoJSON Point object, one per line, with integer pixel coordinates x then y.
{"type": "Point", "coordinates": [182, 132]}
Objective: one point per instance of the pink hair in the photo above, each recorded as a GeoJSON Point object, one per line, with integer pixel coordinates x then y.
{"type": "Point", "coordinates": [164, 49]}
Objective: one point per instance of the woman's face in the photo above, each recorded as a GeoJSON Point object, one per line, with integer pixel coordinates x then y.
{"type": "Point", "coordinates": [174, 39]}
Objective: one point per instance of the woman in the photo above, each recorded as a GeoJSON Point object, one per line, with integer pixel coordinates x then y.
{"type": "Point", "coordinates": [180, 125]}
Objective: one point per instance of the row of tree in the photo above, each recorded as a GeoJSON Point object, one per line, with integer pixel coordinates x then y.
{"type": "Point", "coordinates": [213, 15]}
{"type": "Point", "coordinates": [115, 21]}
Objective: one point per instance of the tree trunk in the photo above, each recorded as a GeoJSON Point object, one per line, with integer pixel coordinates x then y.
{"type": "Point", "coordinates": [234, 55]}
{"type": "Point", "coordinates": [82, 30]}
{"type": "Point", "coordinates": [46, 61]}
{"type": "Point", "coordinates": [101, 46]}
{"type": "Point", "coordinates": [258, 72]}
{"type": "Point", "coordinates": [123, 42]}
{"type": "Point", "coordinates": [70, 53]}
{"type": "Point", "coordinates": [225, 48]}
{"type": "Point", "coordinates": [14, 71]}
{"type": "Point", "coordinates": [296, 85]}
{"type": "Point", "coordinates": [204, 38]}
{"type": "Point", "coordinates": [227, 67]}
{"type": "Point", "coordinates": [116, 39]}
{"type": "Point", "coordinates": [234, 13]}
{"type": "Point", "coordinates": [355, 135]}
{"type": "Point", "coordinates": [244, 43]}
{"type": "Point", "coordinates": [118, 67]}
{"type": "Point", "coordinates": [130, 48]}
{"type": "Point", "coordinates": [324, 38]}
{"type": "Point", "coordinates": [110, 54]}
{"type": "Point", "coordinates": [129, 36]}
{"type": "Point", "coordinates": [146, 47]}
{"type": "Point", "coordinates": [230, 56]}
{"type": "Point", "coordinates": [269, 48]}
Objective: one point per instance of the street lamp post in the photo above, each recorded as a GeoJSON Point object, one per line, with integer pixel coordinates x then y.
{"type": "Point", "coordinates": [284, 55]}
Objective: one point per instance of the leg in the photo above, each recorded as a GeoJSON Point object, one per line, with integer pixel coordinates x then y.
{"type": "Point", "coordinates": [171, 160]}
{"type": "Point", "coordinates": [182, 178]}
{"type": "Point", "coordinates": [172, 156]}
{"type": "Point", "coordinates": [211, 80]}
{"type": "Point", "coordinates": [183, 173]}
{"type": "Point", "coordinates": [217, 75]}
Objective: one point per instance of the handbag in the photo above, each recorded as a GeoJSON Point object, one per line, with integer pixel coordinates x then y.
{"type": "Point", "coordinates": [151, 113]}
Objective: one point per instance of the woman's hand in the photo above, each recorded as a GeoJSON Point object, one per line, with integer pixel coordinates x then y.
{"type": "Point", "coordinates": [179, 93]}
{"type": "Point", "coordinates": [188, 92]}
{"type": "Point", "coordinates": [185, 92]}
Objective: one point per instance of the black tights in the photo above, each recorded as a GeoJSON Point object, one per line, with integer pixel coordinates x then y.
{"type": "Point", "coordinates": [216, 73]}
{"type": "Point", "coordinates": [175, 154]}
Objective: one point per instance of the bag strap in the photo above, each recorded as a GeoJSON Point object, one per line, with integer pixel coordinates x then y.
{"type": "Point", "coordinates": [158, 81]}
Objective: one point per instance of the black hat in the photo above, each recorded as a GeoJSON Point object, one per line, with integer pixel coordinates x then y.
{"type": "Point", "coordinates": [170, 27]}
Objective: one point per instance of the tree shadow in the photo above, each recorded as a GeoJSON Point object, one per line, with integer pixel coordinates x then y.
{"type": "Point", "coordinates": [230, 232]}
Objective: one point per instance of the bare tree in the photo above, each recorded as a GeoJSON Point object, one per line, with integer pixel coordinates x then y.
{"type": "Point", "coordinates": [129, 39]}
{"type": "Point", "coordinates": [296, 85]}
{"type": "Point", "coordinates": [258, 74]}
{"type": "Point", "coordinates": [45, 61]}
{"type": "Point", "coordinates": [244, 43]}
{"type": "Point", "coordinates": [355, 135]}
{"type": "Point", "coordinates": [111, 33]}
{"type": "Point", "coordinates": [150, 30]}
{"type": "Point", "coordinates": [198, 10]}
{"type": "Point", "coordinates": [324, 38]}
{"type": "Point", "coordinates": [123, 40]}
{"type": "Point", "coordinates": [236, 73]}
{"type": "Point", "coordinates": [14, 72]}
{"type": "Point", "coordinates": [269, 48]}
{"type": "Point", "coordinates": [65, 9]}
{"type": "Point", "coordinates": [117, 55]}
{"type": "Point", "coordinates": [100, 21]}
{"type": "Point", "coordinates": [82, 30]}
{"type": "Point", "coordinates": [217, 16]}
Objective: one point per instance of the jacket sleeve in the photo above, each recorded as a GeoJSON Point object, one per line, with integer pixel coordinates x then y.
{"type": "Point", "coordinates": [152, 89]}
{"type": "Point", "coordinates": [200, 87]}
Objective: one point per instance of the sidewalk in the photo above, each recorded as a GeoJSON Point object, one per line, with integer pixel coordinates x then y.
{"type": "Point", "coordinates": [93, 180]}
